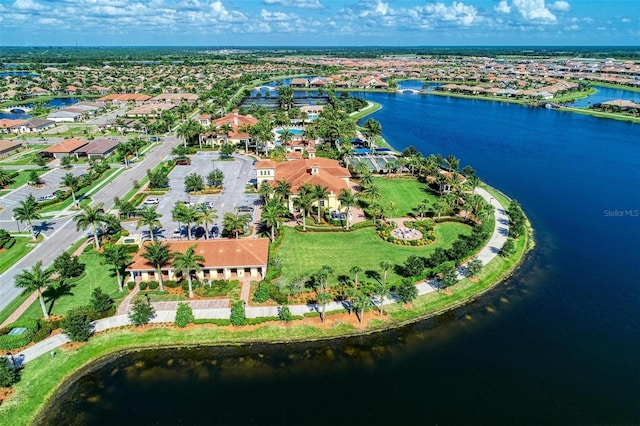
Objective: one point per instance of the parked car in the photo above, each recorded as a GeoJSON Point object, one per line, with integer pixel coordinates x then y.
{"type": "Point", "coordinates": [214, 232]}
{"type": "Point", "coordinates": [154, 138]}
{"type": "Point", "coordinates": [209, 205]}
{"type": "Point", "coordinates": [183, 161]}
{"type": "Point", "coordinates": [180, 232]}
{"type": "Point", "coordinates": [151, 201]}
{"type": "Point", "coordinates": [198, 232]}
{"type": "Point", "coordinates": [46, 197]}
{"type": "Point", "coordinates": [336, 215]}
{"type": "Point", "coordinates": [245, 209]}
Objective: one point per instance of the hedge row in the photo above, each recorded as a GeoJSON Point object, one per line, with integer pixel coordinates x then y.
{"type": "Point", "coordinates": [12, 342]}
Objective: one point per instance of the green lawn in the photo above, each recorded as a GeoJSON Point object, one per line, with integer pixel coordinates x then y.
{"type": "Point", "coordinates": [23, 177]}
{"type": "Point", "coordinates": [15, 253]}
{"type": "Point", "coordinates": [96, 275]}
{"type": "Point", "coordinates": [304, 253]}
{"type": "Point", "coordinates": [406, 193]}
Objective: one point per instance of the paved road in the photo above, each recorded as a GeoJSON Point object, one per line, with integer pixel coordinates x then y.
{"type": "Point", "coordinates": [60, 233]}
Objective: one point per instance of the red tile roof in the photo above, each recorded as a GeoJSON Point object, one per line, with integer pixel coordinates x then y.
{"type": "Point", "coordinates": [242, 253]}
{"type": "Point", "coordinates": [66, 146]}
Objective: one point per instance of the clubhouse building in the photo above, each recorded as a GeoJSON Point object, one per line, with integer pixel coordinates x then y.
{"type": "Point", "coordinates": [223, 259]}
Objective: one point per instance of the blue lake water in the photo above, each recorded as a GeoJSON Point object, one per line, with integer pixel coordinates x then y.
{"type": "Point", "coordinates": [557, 344]}
{"type": "Point", "coordinates": [53, 103]}
{"type": "Point", "coordinates": [604, 94]}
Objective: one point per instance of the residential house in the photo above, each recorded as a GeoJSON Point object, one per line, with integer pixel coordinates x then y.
{"type": "Point", "coordinates": [97, 149]}
{"type": "Point", "coordinates": [237, 135]}
{"type": "Point", "coordinates": [7, 147]}
{"type": "Point", "coordinates": [66, 148]}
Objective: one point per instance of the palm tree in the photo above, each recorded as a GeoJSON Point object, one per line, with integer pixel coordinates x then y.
{"type": "Point", "coordinates": [265, 190]}
{"type": "Point", "coordinates": [348, 200]}
{"type": "Point", "coordinates": [234, 222]}
{"type": "Point", "coordinates": [282, 190]}
{"type": "Point", "coordinates": [119, 258]}
{"type": "Point", "coordinates": [361, 302]}
{"type": "Point", "coordinates": [360, 168]}
{"type": "Point", "coordinates": [273, 215]}
{"type": "Point", "coordinates": [304, 202]}
{"type": "Point", "coordinates": [158, 255]}
{"type": "Point", "coordinates": [226, 128]}
{"type": "Point", "coordinates": [150, 217]}
{"type": "Point", "coordinates": [27, 211]}
{"type": "Point", "coordinates": [382, 291]}
{"type": "Point", "coordinates": [423, 207]}
{"type": "Point", "coordinates": [71, 182]}
{"type": "Point", "coordinates": [320, 193]}
{"type": "Point", "coordinates": [452, 163]}
{"type": "Point", "coordinates": [355, 270]}
{"type": "Point", "coordinates": [35, 280]}
{"type": "Point", "coordinates": [372, 129]}
{"type": "Point", "coordinates": [205, 216]}
{"type": "Point", "coordinates": [124, 149]}
{"type": "Point", "coordinates": [372, 192]}
{"type": "Point", "coordinates": [91, 217]}
{"type": "Point", "coordinates": [187, 262]}
{"type": "Point", "coordinates": [285, 137]}
{"type": "Point", "coordinates": [323, 298]}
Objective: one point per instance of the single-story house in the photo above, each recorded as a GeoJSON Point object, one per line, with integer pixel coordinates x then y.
{"type": "Point", "coordinates": [97, 149]}
{"type": "Point", "coordinates": [65, 148]}
{"type": "Point", "coordinates": [223, 259]}
{"type": "Point", "coordinates": [7, 147]}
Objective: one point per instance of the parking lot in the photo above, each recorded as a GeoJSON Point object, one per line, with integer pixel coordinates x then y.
{"type": "Point", "coordinates": [52, 181]}
{"type": "Point", "coordinates": [237, 174]}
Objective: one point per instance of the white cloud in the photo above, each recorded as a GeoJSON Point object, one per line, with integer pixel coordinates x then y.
{"type": "Point", "coordinates": [27, 5]}
{"type": "Point", "coordinates": [502, 7]}
{"type": "Point", "coordinates": [302, 4]}
{"type": "Point", "coordinates": [534, 10]}
{"type": "Point", "coordinates": [218, 11]}
{"type": "Point", "coordinates": [276, 16]}
{"type": "Point", "coordinates": [560, 6]}
{"type": "Point", "coordinates": [625, 20]}
{"type": "Point", "coordinates": [380, 8]}
{"type": "Point", "coordinates": [458, 12]}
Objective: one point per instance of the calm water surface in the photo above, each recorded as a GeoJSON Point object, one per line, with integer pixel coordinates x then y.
{"type": "Point", "coordinates": [559, 343]}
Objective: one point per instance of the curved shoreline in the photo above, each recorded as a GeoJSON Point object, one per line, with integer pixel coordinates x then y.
{"type": "Point", "coordinates": [79, 360]}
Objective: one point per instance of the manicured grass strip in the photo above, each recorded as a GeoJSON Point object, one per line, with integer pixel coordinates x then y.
{"type": "Point", "coordinates": [405, 193]}
{"type": "Point", "coordinates": [304, 253]}
{"type": "Point", "coordinates": [96, 274]}
{"type": "Point", "coordinates": [22, 246]}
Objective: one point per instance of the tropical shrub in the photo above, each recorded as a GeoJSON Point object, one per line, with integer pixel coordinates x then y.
{"type": "Point", "coordinates": [237, 314]}
{"type": "Point", "coordinates": [141, 312]}
{"type": "Point", "coordinates": [8, 373]}
{"type": "Point", "coordinates": [77, 325]}
{"type": "Point", "coordinates": [184, 315]}
{"type": "Point", "coordinates": [262, 293]}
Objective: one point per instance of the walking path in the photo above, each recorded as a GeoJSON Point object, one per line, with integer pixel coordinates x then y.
{"type": "Point", "coordinates": [486, 254]}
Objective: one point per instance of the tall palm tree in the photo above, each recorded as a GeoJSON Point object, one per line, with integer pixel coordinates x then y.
{"type": "Point", "coordinates": [373, 129]}
{"type": "Point", "coordinates": [35, 280]}
{"type": "Point", "coordinates": [355, 270]}
{"type": "Point", "coordinates": [423, 207]}
{"type": "Point", "coordinates": [452, 163]}
{"type": "Point", "coordinates": [119, 258]}
{"type": "Point", "coordinates": [282, 190]}
{"type": "Point", "coordinates": [150, 217]}
{"type": "Point", "coordinates": [205, 216]}
{"type": "Point", "coordinates": [226, 128]}
{"type": "Point", "coordinates": [304, 202]}
{"type": "Point", "coordinates": [187, 262]}
{"type": "Point", "coordinates": [348, 200]}
{"type": "Point", "coordinates": [373, 192]}
{"type": "Point", "coordinates": [323, 298]}
{"type": "Point", "coordinates": [285, 137]}
{"type": "Point", "coordinates": [91, 217]}
{"type": "Point", "coordinates": [320, 193]}
{"type": "Point", "coordinates": [265, 190]}
{"type": "Point", "coordinates": [273, 215]}
{"type": "Point", "coordinates": [158, 255]}
{"type": "Point", "coordinates": [361, 302]}
{"type": "Point", "coordinates": [27, 211]}
{"type": "Point", "coordinates": [71, 182]}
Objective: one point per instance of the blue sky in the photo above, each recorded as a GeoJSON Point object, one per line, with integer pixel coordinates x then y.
{"type": "Point", "coordinates": [222, 23]}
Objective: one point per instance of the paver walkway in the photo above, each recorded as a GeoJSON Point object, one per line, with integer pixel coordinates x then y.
{"type": "Point", "coordinates": [486, 254]}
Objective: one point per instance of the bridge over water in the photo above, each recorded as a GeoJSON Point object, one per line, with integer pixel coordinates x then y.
{"type": "Point", "coordinates": [266, 87]}
{"type": "Point", "coordinates": [410, 91]}
{"type": "Point", "coordinates": [17, 109]}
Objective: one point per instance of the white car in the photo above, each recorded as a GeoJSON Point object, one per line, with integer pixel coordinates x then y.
{"type": "Point", "coordinates": [151, 201]}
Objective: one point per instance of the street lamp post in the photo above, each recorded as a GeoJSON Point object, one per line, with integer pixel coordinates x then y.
{"type": "Point", "coordinates": [148, 299]}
